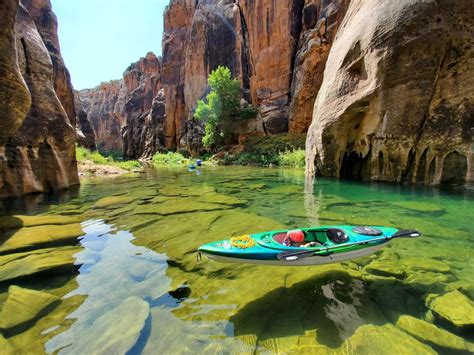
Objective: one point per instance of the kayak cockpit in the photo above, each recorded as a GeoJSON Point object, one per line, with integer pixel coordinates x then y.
{"type": "Point", "coordinates": [317, 237]}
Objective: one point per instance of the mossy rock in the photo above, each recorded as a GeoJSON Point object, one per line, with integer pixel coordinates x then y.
{"type": "Point", "coordinates": [173, 190]}
{"type": "Point", "coordinates": [41, 235]}
{"type": "Point", "coordinates": [418, 206]}
{"type": "Point", "coordinates": [426, 264]}
{"type": "Point", "coordinates": [454, 307]}
{"type": "Point", "coordinates": [24, 306]}
{"type": "Point", "coordinates": [19, 221]}
{"type": "Point", "coordinates": [5, 347]}
{"type": "Point", "coordinates": [429, 282]}
{"type": "Point", "coordinates": [386, 269]}
{"type": "Point", "coordinates": [111, 201]}
{"type": "Point", "coordinates": [221, 199]}
{"type": "Point", "coordinates": [116, 331]}
{"type": "Point", "coordinates": [428, 332]}
{"type": "Point", "coordinates": [24, 264]}
{"type": "Point", "coordinates": [178, 206]}
{"type": "Point", "coordinates": [387, 339]}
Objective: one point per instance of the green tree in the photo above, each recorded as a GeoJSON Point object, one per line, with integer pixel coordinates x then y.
{"type": "Point", "coordinates": [220, 107]}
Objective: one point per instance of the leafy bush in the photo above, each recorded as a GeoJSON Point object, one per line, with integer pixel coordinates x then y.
{"type": "Point", "coordinates": [170, 158]}
{"type": "Point", "coordinates": [83, 154]}
{"type": "Point", "coordinates": [266, 150]}
{"type": "Point", "coordinates": [221, 107]}
{"type": "Point", "coordinates": [295, 158]}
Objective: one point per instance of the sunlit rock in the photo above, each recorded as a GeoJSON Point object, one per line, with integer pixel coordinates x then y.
{"type": "Point", "coordinates": [116, 331]}
{"type": "Point", "coordinates": [387, 339]}
{"type": "Point", "coordinates": [454, 307]}
{"type": "Point", "coordinates": [395, 104]}
{"type": "Point", "coordinates": [23, 306]}
{"type": "Point", "coordinates": [5, 347]}
{"type": "Point", "coordinates": [113, 201]}
{"type": "Point", "coordinates": [428, 332]}
{"type": "Point", "coordinates": [53, 260]}
{"type": "Point", "coordinates": [41, 235]}
{"type": "Point", "coordinates": [17, 221]}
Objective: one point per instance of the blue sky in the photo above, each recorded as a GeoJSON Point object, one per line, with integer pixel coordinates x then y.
{"type": "Point", "coordinates": [100, 38]}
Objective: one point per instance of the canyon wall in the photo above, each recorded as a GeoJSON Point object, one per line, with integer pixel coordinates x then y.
{"type": "Point", "coordinates": [278, 51]}
{"type": "Point", "coordinates": [37, 139]}
{"type": "Point", "coordinates": [396, 102]}
{"type": "Point", "coordinates": [119, 110]}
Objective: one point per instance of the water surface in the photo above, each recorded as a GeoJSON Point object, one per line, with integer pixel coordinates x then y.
{"type": "Point", "coordinates": [138, 287]}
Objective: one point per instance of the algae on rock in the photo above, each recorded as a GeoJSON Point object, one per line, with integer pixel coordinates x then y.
{"type": "Point", "coordinates": [51, 260]}
{"type": "Point", "coordinates": [428, 332]}
{"type": "Point", "coordinates": [23, 306]}
{"type": "Point", "coordinates": [453, 307]}
{"type": "Point", "coordinates": [41, 235]}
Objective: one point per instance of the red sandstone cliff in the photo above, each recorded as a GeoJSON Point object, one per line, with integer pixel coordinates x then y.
{"type": "Point", "coordinates": [276, 49]}
{"type": "Point", "coordinates": [37, 143]}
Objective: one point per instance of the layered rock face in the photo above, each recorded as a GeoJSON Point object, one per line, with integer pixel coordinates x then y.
{"type": "Point", "coordinates": [104, 106]}
{"type": "Point", "coordinates": [320, 22]}
{"type": "Point", "coordinates": [396, 101]}
{"type": "Point", "coordinates": [37, 140]}
{"type": "Point", "coordinates": [47, 25]}
{"type": "Point", "coordinates": [276, 49]}
{"type": "Point", "coordinates": [141, 82]}
{"type": "Point", "coordinates": [118, 110]}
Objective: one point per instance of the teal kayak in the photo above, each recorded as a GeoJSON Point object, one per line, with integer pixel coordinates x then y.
{"type": "Point", "coordinates": [318, 245]}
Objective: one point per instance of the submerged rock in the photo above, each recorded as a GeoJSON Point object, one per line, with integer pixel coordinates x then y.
{"type": "Point", "coordinates": [40, 235]}
{"type": "Point", "coordinates": [52, 260]}
{"type": "Point", "coordinates": [430, 333]}
{"type": "Point", "coordinates": [5, 347]}
{"type": "Point", "coordinates": [23, 306]}
{"type": "Point", "coordinates": [371, 339]}
{"type": "Point", "coordinates": [18, 221]}
{"type": "Point", "coordinates": [419, 206]}
{"type": "Point", "coordinates": [453, 307]}
{"type": "Point", "coordinates": [113, 201]}
{"type": "Point", "coordinates": [387, 269]}
{"type": "Point", "coordinates": [116, 331]}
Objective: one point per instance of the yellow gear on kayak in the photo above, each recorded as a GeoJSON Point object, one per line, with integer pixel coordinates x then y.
{"type": "Point", "coordinates": [242, 242]}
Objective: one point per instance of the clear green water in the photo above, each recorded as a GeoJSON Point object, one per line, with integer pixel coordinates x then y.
{"type": "Point", "coordinates": [137, 286]}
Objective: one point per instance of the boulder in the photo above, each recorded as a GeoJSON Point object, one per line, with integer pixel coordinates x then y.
{"type": "Point", "coordinates": [430, 333]}
{"type": "Point", "coordinates": [24, 306]}
{"type": "Point", "coordinates": [453, 307]}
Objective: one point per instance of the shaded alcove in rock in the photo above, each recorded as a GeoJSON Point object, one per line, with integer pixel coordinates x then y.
{"type": "Point", "coordinates": [454, 170]}
{"type": "Point", "coordinates": [334, 304]}
{"type": "Point", "coordinates": [355, 166]}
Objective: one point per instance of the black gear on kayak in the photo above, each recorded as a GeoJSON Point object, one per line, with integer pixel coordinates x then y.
{"type": "Point", "coordinates": [336, 235]}
{"type": "Point", "coordinates": [367, 231]}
